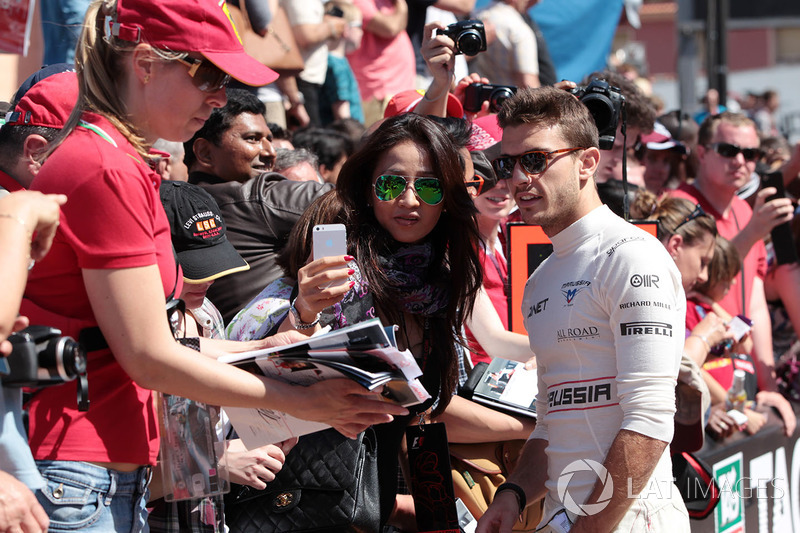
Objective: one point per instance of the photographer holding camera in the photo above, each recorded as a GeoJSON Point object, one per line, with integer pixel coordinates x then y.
{"type": "Point", "coordinates": [28, 221]}
{"type": "Point", "coordinates": [439, 48]}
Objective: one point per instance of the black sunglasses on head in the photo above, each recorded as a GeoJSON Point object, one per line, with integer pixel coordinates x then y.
{"type": "Point", "coordinates": [698, 212]}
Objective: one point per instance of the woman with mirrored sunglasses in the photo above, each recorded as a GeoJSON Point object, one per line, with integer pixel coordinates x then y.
{"type": "Point", "coordinates": [146, 70]}
{"type": "Point", "coordinates": [411, 229]}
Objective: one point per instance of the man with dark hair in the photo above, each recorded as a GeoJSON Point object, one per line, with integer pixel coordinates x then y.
{"type": "Point", "coordinates": [608, 345]}
{"type": "Point", "coordinates": [35, 121]}
{"type": "Point", "coordinates": [331, 147]}
{"type": "Point", "coordinates": [281, 137]}
{"type": "Point", "coordinates": [39, 115]}
{"type": "Point", "coordinates": [232, 158]}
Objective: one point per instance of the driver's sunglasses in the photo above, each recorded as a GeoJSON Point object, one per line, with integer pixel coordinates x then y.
{"type": "Point", "coordinates": [205, 75]}
{"type": "Point", "coordinates": [698, 212]}
{"type": "Point", "coordinates": [390, 186]}
{"type": "Point", "coordinates": [533, 162]}
{"type": "Point", "coordinates": [476, 182]}
{"type": "Point", "coordinates": [731, 150]}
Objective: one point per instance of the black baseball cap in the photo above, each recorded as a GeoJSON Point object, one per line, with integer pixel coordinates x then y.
{"type": "Point", "coordinates": [198, 233]}
{"type": "Point", "coordinates": [483, 168]}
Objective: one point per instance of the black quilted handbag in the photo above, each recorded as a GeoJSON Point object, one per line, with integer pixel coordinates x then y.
{"type": "Point", "coordinates": [329, 483]}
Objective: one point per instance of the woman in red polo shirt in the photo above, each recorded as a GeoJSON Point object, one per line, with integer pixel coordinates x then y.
{"type": "Point", "coordinates": [146, 70]}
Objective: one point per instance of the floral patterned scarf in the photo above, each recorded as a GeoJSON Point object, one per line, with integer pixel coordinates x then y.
{"type": "Point", "coordinates": [408, 270]}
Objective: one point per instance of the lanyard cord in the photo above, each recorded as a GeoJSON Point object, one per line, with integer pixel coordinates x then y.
{"type": "Point", "coordinates": [741, 274]}
{"type": "Point", "coordinates": [493, 256]}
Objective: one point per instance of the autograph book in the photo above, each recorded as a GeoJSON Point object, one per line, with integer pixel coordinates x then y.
{"type": "Point", "coordinates": [503, 385]}
{"type": "Point", "coordinates": [365, 352]}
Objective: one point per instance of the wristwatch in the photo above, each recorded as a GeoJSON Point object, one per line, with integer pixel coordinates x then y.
{"type": "Point", "coordinates": [297, 322]}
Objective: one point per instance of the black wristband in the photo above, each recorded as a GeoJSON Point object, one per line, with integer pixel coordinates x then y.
{"type": "Point", "coordinates": [522, 499]}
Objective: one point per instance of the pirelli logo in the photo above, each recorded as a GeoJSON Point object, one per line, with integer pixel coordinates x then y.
{"type": "Point", "coordinates": [646, 328]}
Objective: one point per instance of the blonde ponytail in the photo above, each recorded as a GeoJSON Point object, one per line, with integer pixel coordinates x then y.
{"type": "Point", "coordinates": [101, 75]}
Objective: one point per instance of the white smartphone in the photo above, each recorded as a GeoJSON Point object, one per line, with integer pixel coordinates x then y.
{"type": "Point", "coordinates": [329, 239]}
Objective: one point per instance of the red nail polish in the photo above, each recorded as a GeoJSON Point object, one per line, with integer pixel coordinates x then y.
{"type": "Point", "coordinates": [351, 272]}
{"type": "Point", "coordinates": [352, 283]}
{"type": "Point", "coordinates": [348, 258]}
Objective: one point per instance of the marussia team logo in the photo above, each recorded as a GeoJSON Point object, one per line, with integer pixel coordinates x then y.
{"type": "Point", "coordinates": [571, 289]}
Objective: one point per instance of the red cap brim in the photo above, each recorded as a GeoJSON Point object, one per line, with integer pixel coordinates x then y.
{"type": "Point", "coordinates": [242, 67]}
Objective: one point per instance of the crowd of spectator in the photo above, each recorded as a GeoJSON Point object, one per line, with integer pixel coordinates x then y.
{"type": "Point", "coordinates": [371, 133]}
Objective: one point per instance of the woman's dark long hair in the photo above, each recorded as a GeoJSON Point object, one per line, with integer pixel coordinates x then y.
{"type": "Point", "coordinates": [454, 238]}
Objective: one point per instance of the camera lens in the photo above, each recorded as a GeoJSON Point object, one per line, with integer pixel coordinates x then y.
{"type": "Point", "coordinates": [62, 358]}
{"type": "Point", "coordinates": [498, 98]}
{"type": "Point", "coordinates": [74, 358]}
{"type": "Point", "coordinates": [601, 109]}
{"type": "Point", "coordinates": [470, 42]}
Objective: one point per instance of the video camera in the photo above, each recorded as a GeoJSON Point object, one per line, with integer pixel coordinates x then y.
{"type": "Point", "coordinates": [476, 93]}
{"type": "Point", "coordinates": [41, 357]}
{"type": "Point", "coordinates": [605, 103]}
{"type": "Point", "coordinates": [469, 36]}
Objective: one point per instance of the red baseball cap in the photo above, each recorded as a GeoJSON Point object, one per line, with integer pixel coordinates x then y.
{"type": "Point", "coordinates": [486, 132]}
{"type": "Point", "coordinates": [406, 101]}
{"type": "Point", "coordinates": [48, 103]}
{"type": "Point", "coordinates": [661, 139]}
{"type": "Point", "coordinates": [201, 26]}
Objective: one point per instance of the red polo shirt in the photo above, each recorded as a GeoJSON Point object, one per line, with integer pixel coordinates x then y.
{"type": "Point", "coordinates": [113, 219]}
{"type": "Point", "coordinates": [728, 226]}
{"type": "Point", "coordinates": [9, 183]}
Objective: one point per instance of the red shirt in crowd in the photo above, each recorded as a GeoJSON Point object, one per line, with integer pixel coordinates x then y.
{"type": "Point", "coordinates": [728, 226]}
{"type": "Point", "coordinates": [495, 276]}
{"type": "Point", "coordinates": [113, 219]}
{"type": "Point", "coordinates": [10, 184]}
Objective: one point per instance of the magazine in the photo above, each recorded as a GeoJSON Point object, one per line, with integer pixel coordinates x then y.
{"type": "Point", "coordinates": [503, 385]}
{"type": "Point", "coordinates": [365, 352]}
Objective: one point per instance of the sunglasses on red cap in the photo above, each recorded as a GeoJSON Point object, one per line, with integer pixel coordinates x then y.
{"type": "Point", "coordinates": [205, 75]}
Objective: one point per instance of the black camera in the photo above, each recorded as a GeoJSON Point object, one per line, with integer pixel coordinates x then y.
{"type": "Point", "coordinates": [41, 356]}
{"type": "Point", "coordinates": [605, 104]}
{"type": "Point", "coordinates": [477, 93]}
{"type": "Point", "coordinates": [469, 36]}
